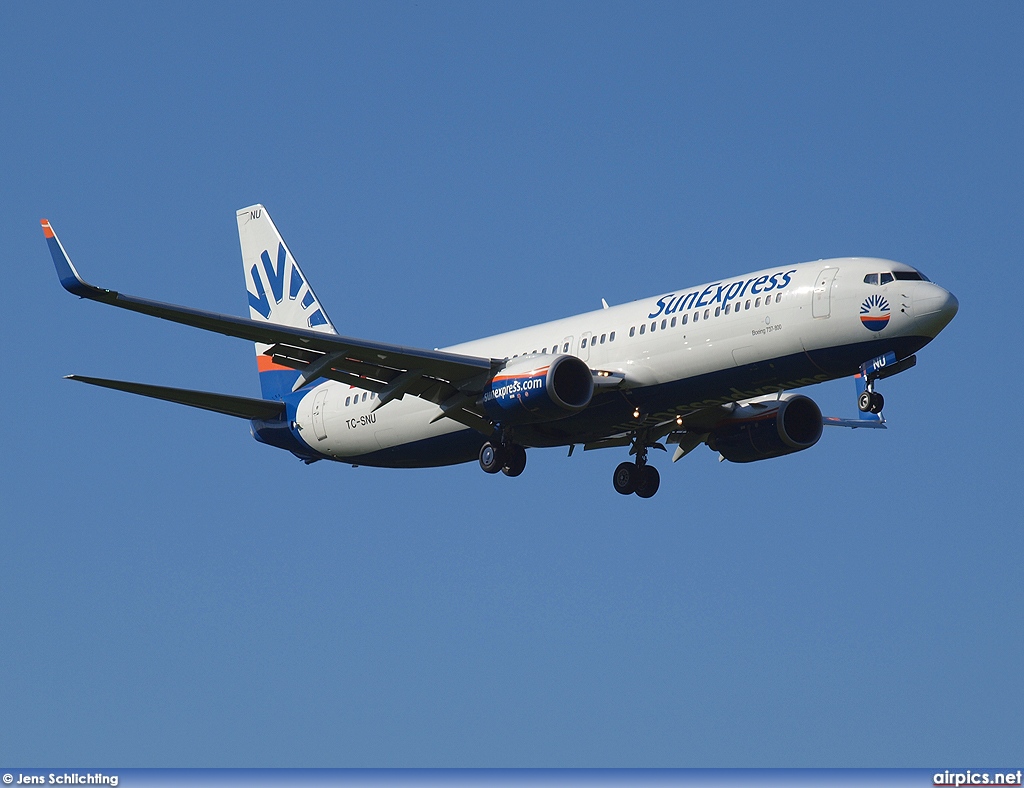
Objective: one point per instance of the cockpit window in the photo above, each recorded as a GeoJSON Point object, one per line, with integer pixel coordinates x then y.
{"type": "Point", "coordinates": [899, 276]}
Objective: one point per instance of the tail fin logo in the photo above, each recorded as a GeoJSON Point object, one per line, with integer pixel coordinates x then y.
{"type": "Point", "coordinates": [278, 273]}
{"type": "Point", "coordinates": [874, 313]}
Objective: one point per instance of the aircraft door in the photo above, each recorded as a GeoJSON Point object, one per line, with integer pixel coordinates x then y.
{"type": "Point", "coordinates": [319, 403]}
{"type": "Point", "coordinates": [585, 339]}
{"type": "Point", "coordinates": [821, 298]}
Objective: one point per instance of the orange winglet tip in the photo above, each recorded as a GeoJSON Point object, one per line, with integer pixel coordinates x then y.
{"type": "Point", "coordinates": [47, 230]}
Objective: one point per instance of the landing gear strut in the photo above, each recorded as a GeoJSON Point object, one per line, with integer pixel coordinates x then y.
{"type": "Point", "coordinates": [504, 456]}
{"type": "Point", "coordinates": [637, 477]}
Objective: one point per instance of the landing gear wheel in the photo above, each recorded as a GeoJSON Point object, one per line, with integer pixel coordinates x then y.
{"type": "Point", "coordinates": [491, 459]}
{"type": "Point", "coordinates": [870, 402]}
{"type": "Point", "coordinates": [515, 460]}
{"type": "Point", "coordinates": [649, 482]}
{"type": "Point", "coordinates": [625, 478]}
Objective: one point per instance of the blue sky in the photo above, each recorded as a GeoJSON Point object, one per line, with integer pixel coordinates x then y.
{"type": "Point", "coordinates": [174, 594]}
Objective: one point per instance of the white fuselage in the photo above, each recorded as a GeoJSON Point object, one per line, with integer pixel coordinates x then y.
{"type": "Point", "coordinates": [742, 337]}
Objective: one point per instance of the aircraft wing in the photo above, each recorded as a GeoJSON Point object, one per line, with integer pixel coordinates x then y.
{"type": "Point", "coordinates": [450, 380]}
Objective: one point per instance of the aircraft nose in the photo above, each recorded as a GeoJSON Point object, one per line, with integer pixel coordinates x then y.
{"type": "Point", "coordinates": [935, 308]}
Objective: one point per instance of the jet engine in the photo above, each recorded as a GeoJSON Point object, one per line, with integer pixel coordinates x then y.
{"type": "Point", "coordinates": [762, 430]}
{"type": "Point", "coordinates": [539, 388]}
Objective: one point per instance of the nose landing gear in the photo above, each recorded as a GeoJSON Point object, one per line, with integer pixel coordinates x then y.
{"type": "Point", "coordinates": [870, 401]}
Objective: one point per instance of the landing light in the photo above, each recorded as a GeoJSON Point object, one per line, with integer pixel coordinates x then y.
{"type": "Point", "coordinates": [636, 413]}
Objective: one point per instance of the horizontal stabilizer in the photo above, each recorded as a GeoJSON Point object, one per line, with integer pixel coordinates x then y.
{"type": "Point", "coordinates": [873, 423]}
{"type": "Point", "coordinates": [242, 407]}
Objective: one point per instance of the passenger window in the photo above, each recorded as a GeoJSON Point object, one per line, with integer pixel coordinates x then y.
{"type": "Point", "coordinates": [611, 337]}
{"type": "Point", "coordinates": [707, 313]}
{"type": "Point", "coordinates": [565, 348]}
{"type": "Point", "coordinates": [544, 351]}
{"type": "Point", "coordinates": [347, 401]}
{"type": "Point", "coordinates": [654, 326]}
{"type": "Point", "coordinates": [757, 302]}
{"type": "Point", "coordinates": [664, 323]}
{"type": "Point", "coordinates": [643, 328]}
{"type": "Point", "coordinates": [632, 330]}
{"type": "Point", "coordinates": [718, 311]}
{"type": "Point", "coordinates": [584, 342]}
{"type": "Point", "coordinates": [778, 298]}
{"type": "Point", "coordinates": [726, 309]}
{"type": "Point", "coordinates": [696, 316]}
{"type": "Point", "coordinates": [748, 304]}
{"type": "Point", "coordinates": [373, 396]}
{"type": "Point", "coordinates": [886, 278]}
{"type": "Point", "coordinates": [602, 338]}
{"type": "Point", "coordinates": [673, 323]}
{"type": "Point", "coordinates": [364, 396]}
{"type": "Point", "coordinates": [871, 279]}
{"type": "Point", "coordinates": [684, 319]}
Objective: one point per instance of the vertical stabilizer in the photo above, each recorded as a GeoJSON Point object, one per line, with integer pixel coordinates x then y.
{"type": "Point", "coordinates": [278, 293]}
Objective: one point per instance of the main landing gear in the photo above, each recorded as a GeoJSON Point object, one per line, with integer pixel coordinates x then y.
{"type": "Point", "coordinates": [637, 477]}
{"type": "Point", "coordinates": [507, 457]}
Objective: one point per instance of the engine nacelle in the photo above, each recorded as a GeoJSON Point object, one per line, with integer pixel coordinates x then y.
{"type": "Point", "coordinates": [768, 429]}
{"type": "Point", "coordinates": [539, 388]}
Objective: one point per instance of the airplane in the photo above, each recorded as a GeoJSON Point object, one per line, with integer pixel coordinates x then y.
{"type": "Point", "coordinates": [713, 364]}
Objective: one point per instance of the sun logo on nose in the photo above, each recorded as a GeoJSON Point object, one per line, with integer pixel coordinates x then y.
{"type": "Point", "coordinates": [874, 313]}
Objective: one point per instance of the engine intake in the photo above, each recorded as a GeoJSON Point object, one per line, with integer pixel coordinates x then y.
{"type": "Point", "coordinates": [539, 388]}
{"type": "Point", "coordinates": [768, 429]}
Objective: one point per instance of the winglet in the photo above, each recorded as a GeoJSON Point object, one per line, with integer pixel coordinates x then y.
{"type": "Point", "coordinates": [69, 278]}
